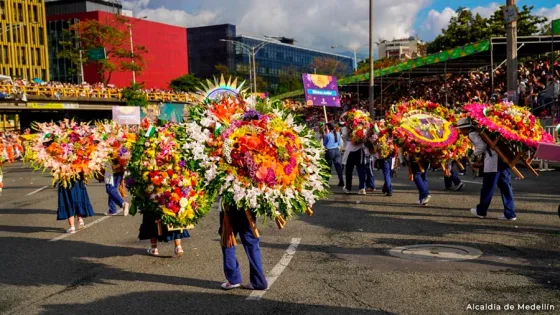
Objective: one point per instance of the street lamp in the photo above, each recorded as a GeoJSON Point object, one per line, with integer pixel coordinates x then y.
{"type": "Point", "coordinates": [354, 50]}
{"type": "Point", "coordinates": [132, 47]}
{"type": "Point", "coordinates": [252, 52]}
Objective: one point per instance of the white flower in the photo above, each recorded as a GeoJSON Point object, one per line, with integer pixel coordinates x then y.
{"type": "Point", "coordinates": [183, 202]}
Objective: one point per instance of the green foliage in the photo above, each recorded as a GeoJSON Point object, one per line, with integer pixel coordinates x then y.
{"type": "Point", "coordinates": [290, 80]}
{"type": "Point", "coordinates": [466, 28]}
{"type": "Point", "coordinates": [185, 83]}
{"type": "Point", "coordinates": [134, 96]}
{"type": "Point", "coordinates": [111, 34]}
{"type": "Point", "coordinates": [363, 65]}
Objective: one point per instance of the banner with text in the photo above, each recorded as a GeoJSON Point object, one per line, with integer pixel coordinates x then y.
{"type": "Point", "coordinates": [126, 115]}
{"type": "Point", "coordinates": [320, 90]}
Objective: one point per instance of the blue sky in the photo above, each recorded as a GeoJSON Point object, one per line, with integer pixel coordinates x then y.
{"type": "Point", "coordinates": [322, 23]}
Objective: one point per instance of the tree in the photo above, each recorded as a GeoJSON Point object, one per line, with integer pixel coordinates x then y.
{"type": "Point", "coordinates": [466, 28]}
{"type": "Point", "coordinates": [363, 65]}
{"type": "Point", "coordinates": [328, 66]}
{"type": "Point", "coordinates": [112, 34]}
{"type": "Point", "coordinates": [289, 80]}
{"type": "Point", "coordinates": [221, 69]}
{"type": "Point", "coordinates": [134, 96]}
{"type": "Point", "coordinates": [185, 83]}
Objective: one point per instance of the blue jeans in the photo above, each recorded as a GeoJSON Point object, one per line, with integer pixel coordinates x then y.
{"type": "Point", "coordinates": [386, 169]}
{"type": "Point", "coordinates": [356, 159]}
{"type": "Point", "coordinates": [452, 179]}
{"type": "Point", "coordinates": [240, 226]}
{"type": "Point", "coordinates": [421, 179]}
{"type": "Point", "coordinates": [370, 179]}
{"type": "Point", "coordinates": [115, 198]}
{"type": "Point", "coordinates": [333, 157]}
{"type": "Point", "coordinates": [501, 179]}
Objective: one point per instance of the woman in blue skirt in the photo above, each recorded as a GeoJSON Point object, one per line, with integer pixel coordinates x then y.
{"type": "Point", "coordinates": [73, 201]}
{"type": "Point", "coordinates": [149, 230]}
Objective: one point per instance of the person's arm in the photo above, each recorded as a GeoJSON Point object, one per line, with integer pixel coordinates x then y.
{"type": "Point", "coordinates": [479, 145]}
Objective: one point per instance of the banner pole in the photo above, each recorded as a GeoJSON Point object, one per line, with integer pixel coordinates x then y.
{"type": "Point", "coordinates": [325, 112]}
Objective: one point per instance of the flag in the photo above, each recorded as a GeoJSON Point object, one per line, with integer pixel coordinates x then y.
{"type": "Point", "coordinates": [151, 131]}
{"type": "Point", "coordinates": [556, 27]}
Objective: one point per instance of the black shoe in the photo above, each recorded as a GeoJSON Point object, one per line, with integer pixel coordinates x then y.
{"type": "Point", "coordinates": [341, 184]}
{"type": "Point", "coordinates": [388, 194]}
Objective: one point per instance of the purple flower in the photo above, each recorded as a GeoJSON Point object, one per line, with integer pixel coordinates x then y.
{"type": "Point", "coordinates": [251, 115]}
{"type": "Point", "coordinates": [129, 182]}
{"type": "Point", "coordinates": [182, 164]}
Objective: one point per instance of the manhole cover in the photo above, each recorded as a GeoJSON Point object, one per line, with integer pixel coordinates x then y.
{"type": "Point", "coordinates": [435, 252]}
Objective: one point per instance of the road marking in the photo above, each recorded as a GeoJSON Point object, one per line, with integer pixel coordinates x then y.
{"type": "Point", "coordinates": [63, 236]}
{"type": "Point", "coordinates": [38, 190]}
{"type": "Point", "coordinates": [277, 270]}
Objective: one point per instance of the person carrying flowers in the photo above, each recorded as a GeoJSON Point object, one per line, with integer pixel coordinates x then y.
{"type": "Point", "coordinates": [358, 125]}
{"type": "Point", "coordinates": [332, 141]}
{"type": "Point", "coordinates": [496, 174]}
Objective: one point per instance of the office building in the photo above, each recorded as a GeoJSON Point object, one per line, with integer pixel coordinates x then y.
{"type": "Point", "coordinates": [166, 45]}
{"type": "Point", "coordinates": [23, 39]}
{"type": "Point", "coordinates": [206, 51]}
{"type": "Point", "coordinates": [400, 48]}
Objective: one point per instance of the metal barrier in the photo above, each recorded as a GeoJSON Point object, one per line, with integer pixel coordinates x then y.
{"type": "Point", "coordinates": [543, 165]}
{"type": "Point", "coordinates": [87, 92]}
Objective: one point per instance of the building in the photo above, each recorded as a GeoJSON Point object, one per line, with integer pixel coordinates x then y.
{"type": "Point", "coordinates": [166, 59]}
{"type": "Point", "coordinates": [277, 55]}
{"type": "Point", "coordinates": [400, 48]}
{"type": "Point", "coordinates": [23, 39]}
{"type": "Point", "coordinates": [207, 51]}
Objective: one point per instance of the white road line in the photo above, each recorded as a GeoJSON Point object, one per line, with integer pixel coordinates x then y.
{"type": "Point", "coordinates": [63, 236]}
{"type": "Point", "coordinates": [38, 190]}
{"type": "Point", "coordinates": [278, 269]}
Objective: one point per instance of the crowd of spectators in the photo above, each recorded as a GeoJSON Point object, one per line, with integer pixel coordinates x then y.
{"type": "Point", "coordinates": [19, 89]}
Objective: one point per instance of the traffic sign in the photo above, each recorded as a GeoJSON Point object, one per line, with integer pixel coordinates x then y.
{"type": "Point", "coordinates": [510, 14]}
{"type": "Point", "coordinates": [96, 54]}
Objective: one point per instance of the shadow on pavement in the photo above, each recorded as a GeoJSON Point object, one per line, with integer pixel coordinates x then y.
{"type": "Point", "coordinates": [176, 302]}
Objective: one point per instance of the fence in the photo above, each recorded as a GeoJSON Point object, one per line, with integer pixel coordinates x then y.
{"type": "Point", "coordinates": [94, 93]}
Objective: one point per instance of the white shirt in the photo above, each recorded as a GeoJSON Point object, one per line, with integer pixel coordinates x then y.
{"type": "Point", "coordinates": [109, 179]}
{"type": "Point", "coordinates": [480, 147]}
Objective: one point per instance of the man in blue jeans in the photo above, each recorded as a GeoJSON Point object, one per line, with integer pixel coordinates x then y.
{"type": "Point", "coordinates": [496, 173]}
{"type": "Point", "coordinates": [420, 172]}
{"type": "Point", "coordinates": [113, 178]}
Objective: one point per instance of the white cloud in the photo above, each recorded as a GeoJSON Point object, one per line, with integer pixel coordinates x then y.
{"type": "Point", "coordinates": [552, 13]}
{"type": "Point", "coordinates": [487, 11]}
{"type": "Point", "coordinates": [435, 22]}
{"type": "Point", "coordinates": [313, 23]}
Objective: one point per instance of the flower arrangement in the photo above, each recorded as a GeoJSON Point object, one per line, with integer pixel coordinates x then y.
{"type": "Point", "coordinates": [163, 180]}
{"type": "Point", "coordinates": [120, 139]}
{"type": "Point", "coordinates": [382, 140]}
{"type": "Point", "coordinates": [266, 162]}
{"type": "Point", "coordinates": [70, 150]}
{"type": "Point", "coordinates": [513, 123]}
{"type": "Point", "coordinates": [425, 130]}
{"type": "Point", "coordinates": [359, 124]}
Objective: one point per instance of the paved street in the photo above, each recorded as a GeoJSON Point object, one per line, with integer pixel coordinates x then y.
{"type": "Point", "coordinates": [341, 263]}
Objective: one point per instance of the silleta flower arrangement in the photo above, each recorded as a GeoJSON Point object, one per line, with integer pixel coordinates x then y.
{"type": "Point", "coordinates": [69, 150]}
{"type": "Point", "coordinates": [119, 138]}
{"type": "Point", "coordinates": [359, 124]}
{"type": "Point", "coordinates": [425, 130]}
{"type": "Point", "coordinates": [382, 140]}
{"type": "Point", "coordinates": [267, 163]}
{"type": "Point", "coordinates": [513, 123]}
{"type": "Point", "coordinates": [162, 180]}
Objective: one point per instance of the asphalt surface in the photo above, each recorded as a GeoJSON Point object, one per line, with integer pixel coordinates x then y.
{"type": "Point", "coordinates": [341, 265]}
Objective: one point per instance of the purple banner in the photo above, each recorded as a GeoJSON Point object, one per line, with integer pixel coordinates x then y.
{"type": "Point", "coordinates": [320, 90]}
{"type": "Point", "coordinates": [126, 115]}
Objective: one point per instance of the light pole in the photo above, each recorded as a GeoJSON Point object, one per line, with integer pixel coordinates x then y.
{"type": "Point", "coordinates": [355, 51]}
{"type": "Point", "coordinates": [252, 52]}
{"type": "Point", "coordinates": [511, 35]}
{"type": "Point", "coordinates": [132, 48]}
{"type": "Point", "coordinates": [371, 78]}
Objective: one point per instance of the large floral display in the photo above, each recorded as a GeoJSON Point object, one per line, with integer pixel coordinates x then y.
{"type": "Point", "coordinates": [165, 181]}
{"type": "Point", "coordinates": [382, 139]}
{"type": "Point", "coordinates": [266, 162]}
{"type": "Point", "coordinates": [359, 125]}
{"type": "Point", "coordinates": [513, 123]}
{"type": "Point", "coordinates": [426, 131]}
{"type": "Point", "coordinates": [119, 138]}
{"type": "Point", "coordinates": [71, 151]}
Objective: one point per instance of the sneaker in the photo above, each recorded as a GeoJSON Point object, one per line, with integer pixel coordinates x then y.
{"type": "Point", "coordinates": [340, 184]}
{"type": "Point", "coordinates": [109, 213]}
{"type": "Point", "coordinates": [504, 218]}
{"type": "Point", "coordinates": [475, 213]}
{"type": "Point", "coordinates": [71, 230]}
{"type": "Point", "coordinates": [362, 192]}
{"type": "Point", "coordinates": [389, 194]}
{"type": "Point", "coordinates": [228, 286]}
{"type": "Point", "coordinates": [126, 208]}
{"type": "Point", "coordinates": [345, 190]}
{"type": "Point", "coordinates": [462, 174]}
{"type": "Point", "coordinates": [459, 187]}
{"type": "Point", "coordinates": [425, 201]}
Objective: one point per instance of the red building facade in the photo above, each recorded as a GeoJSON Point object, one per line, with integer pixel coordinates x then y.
{"type": "Point", "coordinates": [166, 59]}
